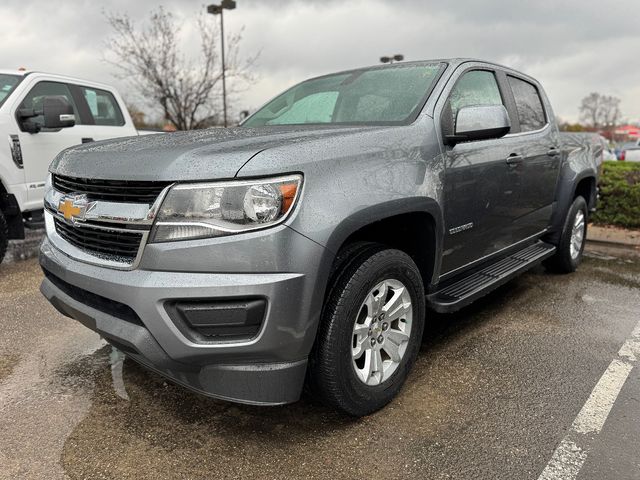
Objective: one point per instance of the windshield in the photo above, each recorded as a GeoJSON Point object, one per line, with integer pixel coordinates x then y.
{"type": "Point", "coordinates": [7, 84]}
{"type": "Point", "coordinates": [390, 95]}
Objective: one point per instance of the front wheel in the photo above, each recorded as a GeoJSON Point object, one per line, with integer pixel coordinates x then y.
{"type": "Point", "coordinates": [370, 332]}
{"type": "Point", "coordinates": [572, 240]}
{"type": "Point", "coordinates": [4, 236]}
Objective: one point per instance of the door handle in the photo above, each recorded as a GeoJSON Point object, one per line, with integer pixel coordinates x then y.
{"type": "Point", "coordinates": [553, 152]}
{"type": "Point", "coordinates": [514, 159]}
{"type": "Point", "coordinates": [87, 140]}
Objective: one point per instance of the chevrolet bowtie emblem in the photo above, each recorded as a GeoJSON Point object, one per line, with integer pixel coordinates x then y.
{"type": "Point", "coordinates": [73, 207]}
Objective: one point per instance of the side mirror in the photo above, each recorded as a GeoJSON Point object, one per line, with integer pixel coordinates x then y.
{"type": "Point", "coordinates": [57, 112]}
{"type": "Point", "coordinates": [480, 122]}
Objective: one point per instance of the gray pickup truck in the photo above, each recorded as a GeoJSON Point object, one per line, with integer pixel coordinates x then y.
{"type": "Point", "coordinates": [308, 245]}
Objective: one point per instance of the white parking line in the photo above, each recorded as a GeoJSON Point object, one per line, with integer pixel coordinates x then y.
{"type": "Point", "coordinates": [570, 455]}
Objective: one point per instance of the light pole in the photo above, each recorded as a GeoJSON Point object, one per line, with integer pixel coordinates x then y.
{"type": "Point", "coordinates": [217, 10]}
{"type": "Point", "coordinates": [395, 58]}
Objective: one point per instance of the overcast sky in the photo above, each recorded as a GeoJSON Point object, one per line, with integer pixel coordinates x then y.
{"type": "Point", "coordinates": [573, 47]}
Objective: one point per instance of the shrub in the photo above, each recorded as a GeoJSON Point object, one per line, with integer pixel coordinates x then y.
{"type": "Point", "coordinates": [619, 195]}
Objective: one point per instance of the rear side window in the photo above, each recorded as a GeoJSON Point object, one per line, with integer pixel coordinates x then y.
{"type": "Point", "coordinates": [36, 95]}
{"type": "Point", "coordinates": [103, 107]}
{"type": "Point", "coordinates": [529, 105]}
{"type": "Point", "coordinates": [477, 87]}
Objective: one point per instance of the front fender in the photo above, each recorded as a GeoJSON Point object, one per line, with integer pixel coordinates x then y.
{"type": "Point", "coordinates": [367, 216]}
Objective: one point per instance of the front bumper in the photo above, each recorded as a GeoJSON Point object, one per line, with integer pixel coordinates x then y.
{"type": "Point", "coordinates": [266, 369]}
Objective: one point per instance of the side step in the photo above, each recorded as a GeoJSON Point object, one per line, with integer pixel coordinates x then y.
{"type": "Point", "coordinates": [464, 291]}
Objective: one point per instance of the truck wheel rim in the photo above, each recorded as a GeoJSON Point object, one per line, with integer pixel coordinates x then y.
{"type": "Point", "coordinates": [381, 332]}
{"type": "Point", "coordinates": [577, 235]}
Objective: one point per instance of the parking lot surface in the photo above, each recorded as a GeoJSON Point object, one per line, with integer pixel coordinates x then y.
{"type": "Point", "coordinates": [498, 391]}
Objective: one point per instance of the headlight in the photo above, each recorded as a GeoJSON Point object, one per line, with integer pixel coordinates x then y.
{"type": "Point", "coordinates": [203, 210]}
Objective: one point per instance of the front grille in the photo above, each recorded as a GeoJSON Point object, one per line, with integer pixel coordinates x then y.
{"type": "Point", "coordinates": [114, 243]}
{"type": "Point", "coordinates": [110, 190]}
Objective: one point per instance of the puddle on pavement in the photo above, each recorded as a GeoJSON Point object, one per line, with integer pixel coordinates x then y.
{"type": "Point", "coordinates": [141, 426]}
{"type": "Point", "coordinates": [7, 364]}
{"type": "Point", "coordinates": [116, 358]}
{"type": "Point", "coordinates": [175, 433]}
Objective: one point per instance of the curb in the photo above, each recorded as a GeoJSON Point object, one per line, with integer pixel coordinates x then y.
{"type": "Point", "coordinates": [613, 235]}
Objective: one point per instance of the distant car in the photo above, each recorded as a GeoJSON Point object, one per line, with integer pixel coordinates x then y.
{"type": "Point", "coordinates": [631, 154]}
{"type": "Point", "coordinates": [621, 148]}
{"type": "Point", "coordinates": [42, 114]}
{"type": "Point", "coordinates": [607, 153]}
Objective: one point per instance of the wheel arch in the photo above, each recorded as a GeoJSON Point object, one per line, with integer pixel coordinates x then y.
{"type": "Point", "coordinates": [11, 211]}
{"type": "Point", "coordinates": [413, 225]}
{"type": "Point", "coordinates": [584, 184]}
{"type": "Point", "coordinates": [586, 187]}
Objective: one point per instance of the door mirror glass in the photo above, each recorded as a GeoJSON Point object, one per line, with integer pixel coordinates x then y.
{"type": "Point", "coordinates": [480, 122]}
{"type": "Point", "coordinates": [57, 96]}
{"type": "Point", "coordinates": [57, 112]}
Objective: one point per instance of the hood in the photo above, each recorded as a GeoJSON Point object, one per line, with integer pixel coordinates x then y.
{"type": "Point", "coordinates": [210, 154]}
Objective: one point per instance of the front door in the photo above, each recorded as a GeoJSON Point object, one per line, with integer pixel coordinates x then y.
{"type": "Point", "coordinates": [39, 149]}
{"type": "Point", "coordinates": [479, 191]}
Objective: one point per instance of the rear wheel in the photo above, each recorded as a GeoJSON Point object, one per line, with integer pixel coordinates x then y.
{"type": "Point", "coordinates": [370, 332]}
{"type": "Point", "coordinates": [4, 236]}
{"type": "Point", "coordinates": [572, 240]}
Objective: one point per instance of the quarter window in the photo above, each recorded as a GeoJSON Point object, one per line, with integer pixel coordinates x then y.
{"type": "Point", "coordinates": [529, 105]}
{"type": "Point", "coordinates": [103, 107]}
{"type": "Point", "coordinates": [477, 87]}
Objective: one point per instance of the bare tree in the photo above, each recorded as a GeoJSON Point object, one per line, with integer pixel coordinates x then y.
{"type": "Point", "coordinates": [150, 59]}
{"type": "Point", "coordinates": [600, 111]}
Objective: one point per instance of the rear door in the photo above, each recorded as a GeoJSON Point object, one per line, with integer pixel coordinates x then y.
{"type": "Point", "coordinates": [536, 140]}
{"type": "Point", "coordinates": [103, 115]}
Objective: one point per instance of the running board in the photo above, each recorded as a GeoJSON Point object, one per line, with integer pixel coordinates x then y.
{"type": "Point", "coordinates": [464, 291]}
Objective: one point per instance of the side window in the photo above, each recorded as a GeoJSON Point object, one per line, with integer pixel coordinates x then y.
{"type": "Point", "coordinates": [529, 105]}
{"type": "Point", "coordinates": [103, 107]}
{"type": "Point", "coordinates": [477, 87]}
{"type": "Point", "coordinates": [34, 98]}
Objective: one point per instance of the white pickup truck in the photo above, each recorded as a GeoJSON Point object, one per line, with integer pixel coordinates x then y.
{"type": "Point", "coordinates": [41, 114]}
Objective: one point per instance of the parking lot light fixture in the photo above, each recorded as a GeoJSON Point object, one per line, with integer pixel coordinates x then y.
{"type": "Point", "coordinates": [217, 10]}
{"type": "Point", "coordinates": [395, 58]}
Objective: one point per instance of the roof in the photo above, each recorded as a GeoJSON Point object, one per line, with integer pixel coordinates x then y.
{"type": "Point", "coordinates": [62, 77]}
{"type": "Point", "coordinates": [454, 62]}
{"type": "Point", "coordinates": [22, 73]}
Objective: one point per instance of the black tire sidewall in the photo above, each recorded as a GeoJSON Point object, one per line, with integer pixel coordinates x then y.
{"type": "Point", "coordinates": [351, 394]}
{"type": "Point", "coordinates": [4, 236]}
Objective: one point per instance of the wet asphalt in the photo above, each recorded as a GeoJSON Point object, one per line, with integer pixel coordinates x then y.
{"type": "Point", "coordinates": [495, 389]}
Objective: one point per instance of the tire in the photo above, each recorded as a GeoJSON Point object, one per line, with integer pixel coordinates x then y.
{"type": "Point", "coordinates": [4, 236]}
{"type": "Point", "coordinates": [362, 386]}
{"type": "Point", "coordinates": [568, 257]}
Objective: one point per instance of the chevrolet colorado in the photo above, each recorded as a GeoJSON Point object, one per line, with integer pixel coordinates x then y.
{"type": "Point", "coordinates": [309, 245]}
{"type": "Point", "coordinates": [41, 114]}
